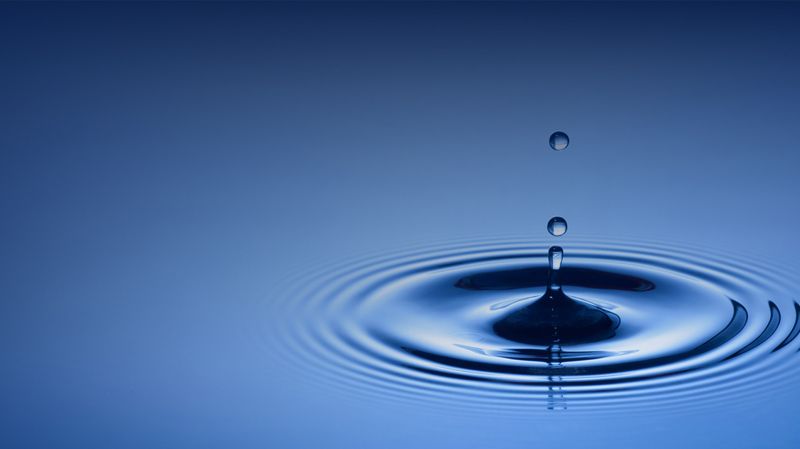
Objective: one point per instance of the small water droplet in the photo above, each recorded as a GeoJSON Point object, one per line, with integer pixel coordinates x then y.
{"type": "Point", "coordinates": [559, 141]}
{"type": "Point", "coordinates": [557, 226]}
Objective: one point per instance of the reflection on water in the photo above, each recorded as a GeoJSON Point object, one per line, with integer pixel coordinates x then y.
{"type": "Point", "coordinates": [634, 325]}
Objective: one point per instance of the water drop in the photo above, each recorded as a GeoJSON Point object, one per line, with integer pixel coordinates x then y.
{"type": "Point", "coordinates": [554, 256]}
{"type": "Point", "coordinates": [559, 141]}
{"type": "Point", "coordinates": [557, 226]}
{"type": "Point", "coordinates": [556, 319]}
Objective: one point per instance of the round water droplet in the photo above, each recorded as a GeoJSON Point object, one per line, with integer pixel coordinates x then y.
{"type": "Point", "coordinates": [557, 226]}
{"type": "Point", "coordinates": [559, 141]}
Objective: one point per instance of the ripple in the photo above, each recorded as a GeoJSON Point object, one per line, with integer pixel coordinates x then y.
{"type": "Point", "coordinates": [457, 325]}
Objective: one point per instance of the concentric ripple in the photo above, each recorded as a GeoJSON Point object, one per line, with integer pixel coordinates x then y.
{"type": "Point", "coordinates": [442, 325]}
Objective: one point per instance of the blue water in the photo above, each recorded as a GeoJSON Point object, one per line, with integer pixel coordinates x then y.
{"type": "Point", "coordinates": [458, 326]}
{"type": "Point", "coordinates": [312, 225]}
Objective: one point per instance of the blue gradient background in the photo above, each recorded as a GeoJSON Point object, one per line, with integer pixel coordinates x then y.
{"type": "Point", "coordinates": [163, 167]}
